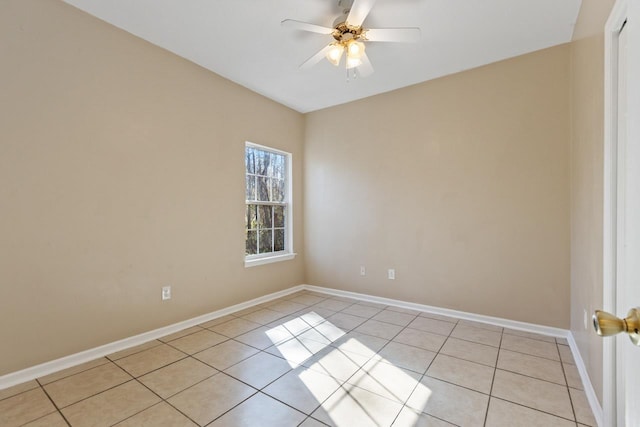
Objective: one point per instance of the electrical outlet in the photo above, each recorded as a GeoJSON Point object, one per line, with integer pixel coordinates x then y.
{"type": "Point", "coordinates": [392, 274]}
{"type": "Point", "coordinates": [166, 293]}
{"type": "Point", "coordinates": [362, 270]}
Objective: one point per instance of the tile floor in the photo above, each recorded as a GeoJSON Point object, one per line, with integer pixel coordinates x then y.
{"type": "Point", "coordinates": [309, 359]}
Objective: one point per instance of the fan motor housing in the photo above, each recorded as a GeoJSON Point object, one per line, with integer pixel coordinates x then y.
{"type": "Point", "coordinates": [344, 32]}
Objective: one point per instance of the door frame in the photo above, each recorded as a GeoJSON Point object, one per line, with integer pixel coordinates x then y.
{"type": "Point", "coordinates": [614, 366]}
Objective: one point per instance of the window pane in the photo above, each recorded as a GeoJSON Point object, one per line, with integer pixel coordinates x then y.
{"type": "Point", "coordinates": [250, 217]}
{"type": "Point", "coordinates": [251, 246]}
{"type": "Point", "coordinates": [263, 189]}
{"type": "Point", "coordinates": [249, 160]}
{"type": "Point", "coordinates": [279, 167]}
{"type": "Point", "coordinates": [265, 241]}
{"type": "Point", "coordinates": [278, 216]}
{"type": "Point", "coordinates": [268, 160]}
{"type": "Point", "coordinates": [265, 216]}
{"type": "Point", "coordinates": [262, 162]}
{"type": "Point", "coordinates": [251, 187]}
{"type": "Point", "coordinates": [278, 244]}
{"type": "Point", "coordinates": [277, 192]}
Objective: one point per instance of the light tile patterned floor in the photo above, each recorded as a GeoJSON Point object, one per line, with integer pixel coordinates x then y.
{"type": "Point", "coordinates": [309, 359]}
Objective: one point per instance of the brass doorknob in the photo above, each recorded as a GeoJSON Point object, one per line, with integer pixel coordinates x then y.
{"type": "Point", "coordinates": [607, 324]}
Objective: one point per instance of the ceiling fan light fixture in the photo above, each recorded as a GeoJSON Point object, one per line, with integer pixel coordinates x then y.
{"type": "Point", "coordinates": [355, 49]}
{"type": "Point", "coordinates": [335, 54]}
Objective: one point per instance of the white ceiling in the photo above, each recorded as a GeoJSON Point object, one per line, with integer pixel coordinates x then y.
{"type": "Point", "coordinates": [243, 40]}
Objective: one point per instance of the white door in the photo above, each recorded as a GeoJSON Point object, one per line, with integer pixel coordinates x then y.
{"type": "Point", "coordinates": [622, 208]}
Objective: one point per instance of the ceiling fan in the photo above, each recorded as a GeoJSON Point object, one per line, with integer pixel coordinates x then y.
{"type": "Point", "coordinates": [350, 37]}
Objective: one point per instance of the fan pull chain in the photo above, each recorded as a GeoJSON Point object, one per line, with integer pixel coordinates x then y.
{"type": "Point", "coordinates": [354, 75]}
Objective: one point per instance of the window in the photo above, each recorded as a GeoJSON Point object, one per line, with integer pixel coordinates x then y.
{"type": "Point", "coordinates": [268, 205]}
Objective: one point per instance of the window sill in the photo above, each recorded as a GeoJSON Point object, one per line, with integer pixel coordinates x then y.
{"type": "Point", "coordinates": [268, 260]}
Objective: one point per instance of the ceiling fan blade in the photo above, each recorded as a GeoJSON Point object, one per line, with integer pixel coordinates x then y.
{"type": "Point", "coordinates": [404, 35]}
{"type": "Point", "coordinates": [365, 69]}
{"type": "Point", "coordinates": [315, 58]}
{"type": "Point", "coordinates": [359, 11]}
{"type": "Point", "coordinates": [305, 26]}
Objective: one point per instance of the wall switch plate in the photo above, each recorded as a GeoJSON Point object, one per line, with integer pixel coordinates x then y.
{"type": "Point", "coordinates": [362, 270]}
{"type": "Point", "coordinates": [166, 293]}
{"type": "Point", "coordinates": [392, 274]}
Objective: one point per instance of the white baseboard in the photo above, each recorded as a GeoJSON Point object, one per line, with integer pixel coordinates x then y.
{"type": "Point", "coordinates": [47, 368]}
{"type": "Point", "coordinates": [596, 408]}
{"type": "Point", "coordinates": [505, 323]}
{"type": "Point", "coordinates": [91, 354]}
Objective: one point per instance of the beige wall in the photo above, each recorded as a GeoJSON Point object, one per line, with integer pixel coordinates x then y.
{"type": "Point", "coordinates": [461, 184]}
{"type": "Point", "coordinates": [587, 121]}
{"type": "Point", "coordinates": [121, 170]}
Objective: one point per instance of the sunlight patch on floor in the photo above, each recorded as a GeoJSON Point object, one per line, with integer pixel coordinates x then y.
{"type": "Point", "coordinates": [375, 389]}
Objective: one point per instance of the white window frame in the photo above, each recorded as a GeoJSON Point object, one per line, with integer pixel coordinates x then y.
{"type": "Point", "coordinates": [288, 253]}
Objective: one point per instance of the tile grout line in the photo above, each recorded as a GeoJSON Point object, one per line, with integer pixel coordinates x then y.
{"type": "Point", "coordinates": [94, 394]}
{"type": "Point", "coordinates": [230, 409]}
{"type": "Point", "coordinates": [534, 409]}
{"type": "Point", "coordinates": [458, 385]}
{"type": "Point", "coordinates": [402, 406]}
{"type": "Point", "coordinates": [107, 361]}
{"type": "Point", "coordinates": [163, 400]}
{"type": "Point", "coordinates": [54, 405]}
{"type": "Point", "coordinates": [110, 359]}
{"type": "Point", "coordinates": [21, 393]}
{"type": "Point", "coordinates": [424, 374]}
{"type": "Point", "coordinates": [493, 380]}
{"type": "Point", "coordinates": [99, 393]}
{"type": "Point", "coordinates": [573, 409]}
{"type": "Point", "coordinates": [139, 412]}
{"type": "Point", "coordinates": [534, 355]}
{"type": "Point", "coordinates": [529, 376]}
{"type": "Point", "coordinates": [290, 406]}
{"type": "Point", "coordinates": [186, 355]}
{"type": "Point", "coordinates": [309, 417]}
{"type": "Point", "coordinates": [518, 373]}
{"type": "Point", "coordinates": [530, 337]}
{"type": "Point", "coordinates": [173, 363]}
